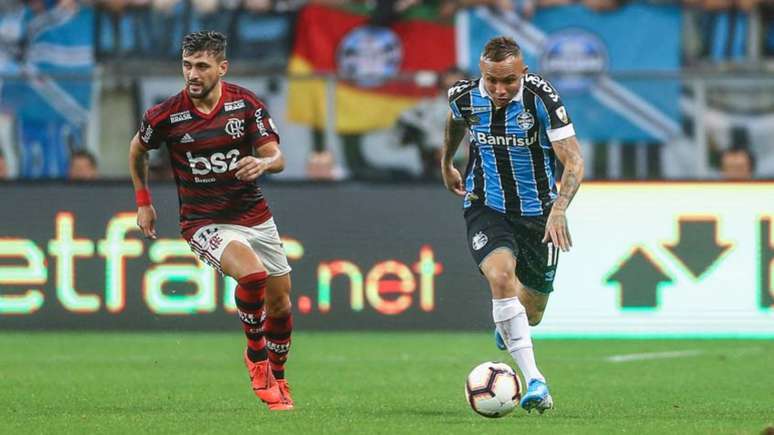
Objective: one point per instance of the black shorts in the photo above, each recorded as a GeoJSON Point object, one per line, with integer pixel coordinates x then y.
{"type": "Point", "coordinates": [536, 261]}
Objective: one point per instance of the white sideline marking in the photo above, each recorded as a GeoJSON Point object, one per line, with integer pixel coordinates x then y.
{"type": "Point", "coordinates": [653, 355]}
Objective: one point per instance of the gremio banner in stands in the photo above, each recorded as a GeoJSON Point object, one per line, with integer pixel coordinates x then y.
{"type": "Point", "coordinates": [46, 83]}
{"type": "Point", "coordinates": [655, 259]}
{"type": "Point", "coordinates": [585, 56]}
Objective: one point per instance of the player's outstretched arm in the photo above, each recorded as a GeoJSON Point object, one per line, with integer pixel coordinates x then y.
{"type": "Point", "coordinates": [270, 159]}
{"type": "Point", "coordinates": [454, 132]}
{"type": "Point", "coordinates": [138, 168]}
{"type": "Point", "coordinates": [557, 231]}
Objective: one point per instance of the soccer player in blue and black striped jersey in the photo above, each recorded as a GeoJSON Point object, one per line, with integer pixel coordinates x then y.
{"type": "Point", "coordinates": [516, 223]}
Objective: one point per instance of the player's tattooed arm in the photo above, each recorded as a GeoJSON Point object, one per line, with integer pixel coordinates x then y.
{"type": "Point", "coordinates": [138, 163]}
{"type": "Point", "coordinates": [138, 169]}
{"type": "Point", "coordinates": [568, 151]}
{"type": "Point", "coordinates": [454, 132]}
{"type": "Point", "coordinates": [557, 231]}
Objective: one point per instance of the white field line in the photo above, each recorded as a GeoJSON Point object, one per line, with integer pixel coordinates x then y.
{"type": "Point", "coordinates": [653, 355]}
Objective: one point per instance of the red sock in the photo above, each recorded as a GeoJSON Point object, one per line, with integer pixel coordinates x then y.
{"type": "Point", "coordinates": [278, 330]}
{"type": "Point", "coordinates": [249, 297]}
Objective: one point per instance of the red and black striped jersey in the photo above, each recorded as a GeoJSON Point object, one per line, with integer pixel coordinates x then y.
{"type": "Point", "coordinates": [204, 149]}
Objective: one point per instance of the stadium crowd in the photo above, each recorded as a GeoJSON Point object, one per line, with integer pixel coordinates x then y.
{"type": "Point", "coordinates": [719, 35]}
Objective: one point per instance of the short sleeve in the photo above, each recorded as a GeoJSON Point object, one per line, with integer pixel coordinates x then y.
{"type": "Point", "coordinates": [150, 134]}
{"type": "Point", "coordinates": [455, 94]}
{"type": "Point", "coordinates": [556, 120]}
{"type": "Point", "coordinates": [260, 126]}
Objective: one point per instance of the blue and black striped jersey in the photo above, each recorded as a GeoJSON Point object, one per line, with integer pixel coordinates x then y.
{"type": "Point", "coordinates": [511, 163]}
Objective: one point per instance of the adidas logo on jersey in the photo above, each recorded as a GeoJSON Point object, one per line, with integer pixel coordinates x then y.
{"type": "Point", "coordinates": [187, 138]}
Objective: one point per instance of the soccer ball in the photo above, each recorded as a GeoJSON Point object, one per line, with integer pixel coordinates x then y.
{"type": "Point", "coordinates": [493, 389]}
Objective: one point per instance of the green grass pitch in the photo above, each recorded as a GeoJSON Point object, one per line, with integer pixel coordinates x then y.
{"type": "Point", "coordinates": [391, 383]}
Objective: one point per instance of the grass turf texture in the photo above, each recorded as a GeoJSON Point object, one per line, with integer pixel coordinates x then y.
{"type": "Point", "coordinates": [373, 383]}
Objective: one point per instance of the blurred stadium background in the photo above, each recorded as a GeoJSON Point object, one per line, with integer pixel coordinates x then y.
{"type": "Point", "coordinates": [673, 103]}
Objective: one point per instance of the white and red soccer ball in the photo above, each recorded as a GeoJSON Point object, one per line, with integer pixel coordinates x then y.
{"type": "Point", "coordinates": [493, 389]}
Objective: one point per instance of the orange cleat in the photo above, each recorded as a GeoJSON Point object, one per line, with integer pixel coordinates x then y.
{"type": "Point", "coordinates": [264, 385]}
{"type": "Point", "coordinates": [287, 401]}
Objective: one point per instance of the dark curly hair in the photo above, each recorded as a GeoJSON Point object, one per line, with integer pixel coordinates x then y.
{"type": "Point", "coordinates": [211, 42]}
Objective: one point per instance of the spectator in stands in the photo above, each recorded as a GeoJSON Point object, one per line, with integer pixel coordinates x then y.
{"type": "Point", "coordinates": [83, 166]}
{"type": "Point", "coordinates": [420, 125]}
{"type": "Point", "coordinates": [12, 16]}
{"type": "Point", "coordinates": [737, 163]}
{"type": "Point", "coordinates": [767, 28]}
{"type": "Point", "coordinates": [4, 175]}
{"type": "Point", "coordinates": [717, 32]}
{"type": "Point", "coordinates": [320, 164]}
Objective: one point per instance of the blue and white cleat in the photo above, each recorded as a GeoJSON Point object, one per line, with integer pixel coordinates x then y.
{"type": "Point", "coordinates": [537, 397]}
{"type": "Point", "coordinates": [499, 341]}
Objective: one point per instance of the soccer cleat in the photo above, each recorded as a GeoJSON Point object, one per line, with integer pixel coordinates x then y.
{"type": "Point", "coordinates": [286, 403]}
{"type": "Point", "coordinates": [537, 397]}
{"type": "Point", "coordinates": [264, 385]}
{"type": "Point", "coordinates": [499, 342]}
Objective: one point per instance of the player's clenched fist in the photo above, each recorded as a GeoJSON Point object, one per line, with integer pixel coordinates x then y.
{"type": "Point", "coordinates": [249, 168]}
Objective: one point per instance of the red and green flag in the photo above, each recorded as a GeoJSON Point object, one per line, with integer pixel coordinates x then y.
{"type": "Point", "coordinates": [374, 66]}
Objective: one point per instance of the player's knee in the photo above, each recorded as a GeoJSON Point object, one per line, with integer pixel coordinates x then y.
{"type": "Point", "coordinates": [282, 310]}
{"type": "Point", "coordinates": [502, 282]}
{"type": "Point", "coordinates": [278, 307]}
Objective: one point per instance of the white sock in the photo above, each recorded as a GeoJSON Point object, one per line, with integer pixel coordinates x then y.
{"type": "Point", "coordinates": [510, 318]}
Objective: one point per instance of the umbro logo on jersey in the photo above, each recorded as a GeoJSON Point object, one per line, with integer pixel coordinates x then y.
{"type": "Point", "coordinates": [187, 138]}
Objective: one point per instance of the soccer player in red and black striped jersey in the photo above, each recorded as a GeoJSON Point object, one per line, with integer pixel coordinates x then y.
{"type": "Point", "coordinates": [220, 139]}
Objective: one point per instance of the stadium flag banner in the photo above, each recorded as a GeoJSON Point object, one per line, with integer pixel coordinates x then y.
{"type": "Point", "coordinates": [50, 90]}
{"type": "Point", "coordinates": [649, 260]}
{"type": "Point", "coordinates": [587, 55]}
{"type": "Point", "coordinates": [369, 62]}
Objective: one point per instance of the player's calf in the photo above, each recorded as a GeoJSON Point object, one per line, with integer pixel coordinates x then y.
{"type": "Point", "coordinates": [278, 332]}
{"type": "Point", "coordinates": [534, 317]}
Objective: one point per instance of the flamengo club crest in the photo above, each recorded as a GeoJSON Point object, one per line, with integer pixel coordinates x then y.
{"type": "Point", "coordinates": [235, 128]}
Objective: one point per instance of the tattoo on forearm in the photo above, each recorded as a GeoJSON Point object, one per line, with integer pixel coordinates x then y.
{"type": "Point", "coordinates": [141, 167]}
{"type": "Point", "coordinates": [454, 133]}
{"type": "Point", "coordinates": [569, 152]}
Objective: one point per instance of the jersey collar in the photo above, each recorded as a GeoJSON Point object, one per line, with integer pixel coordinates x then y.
{"type": "Point", "coordinates": [516, 97]}
{"type": "Point", "coordinates": [215, 110]}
